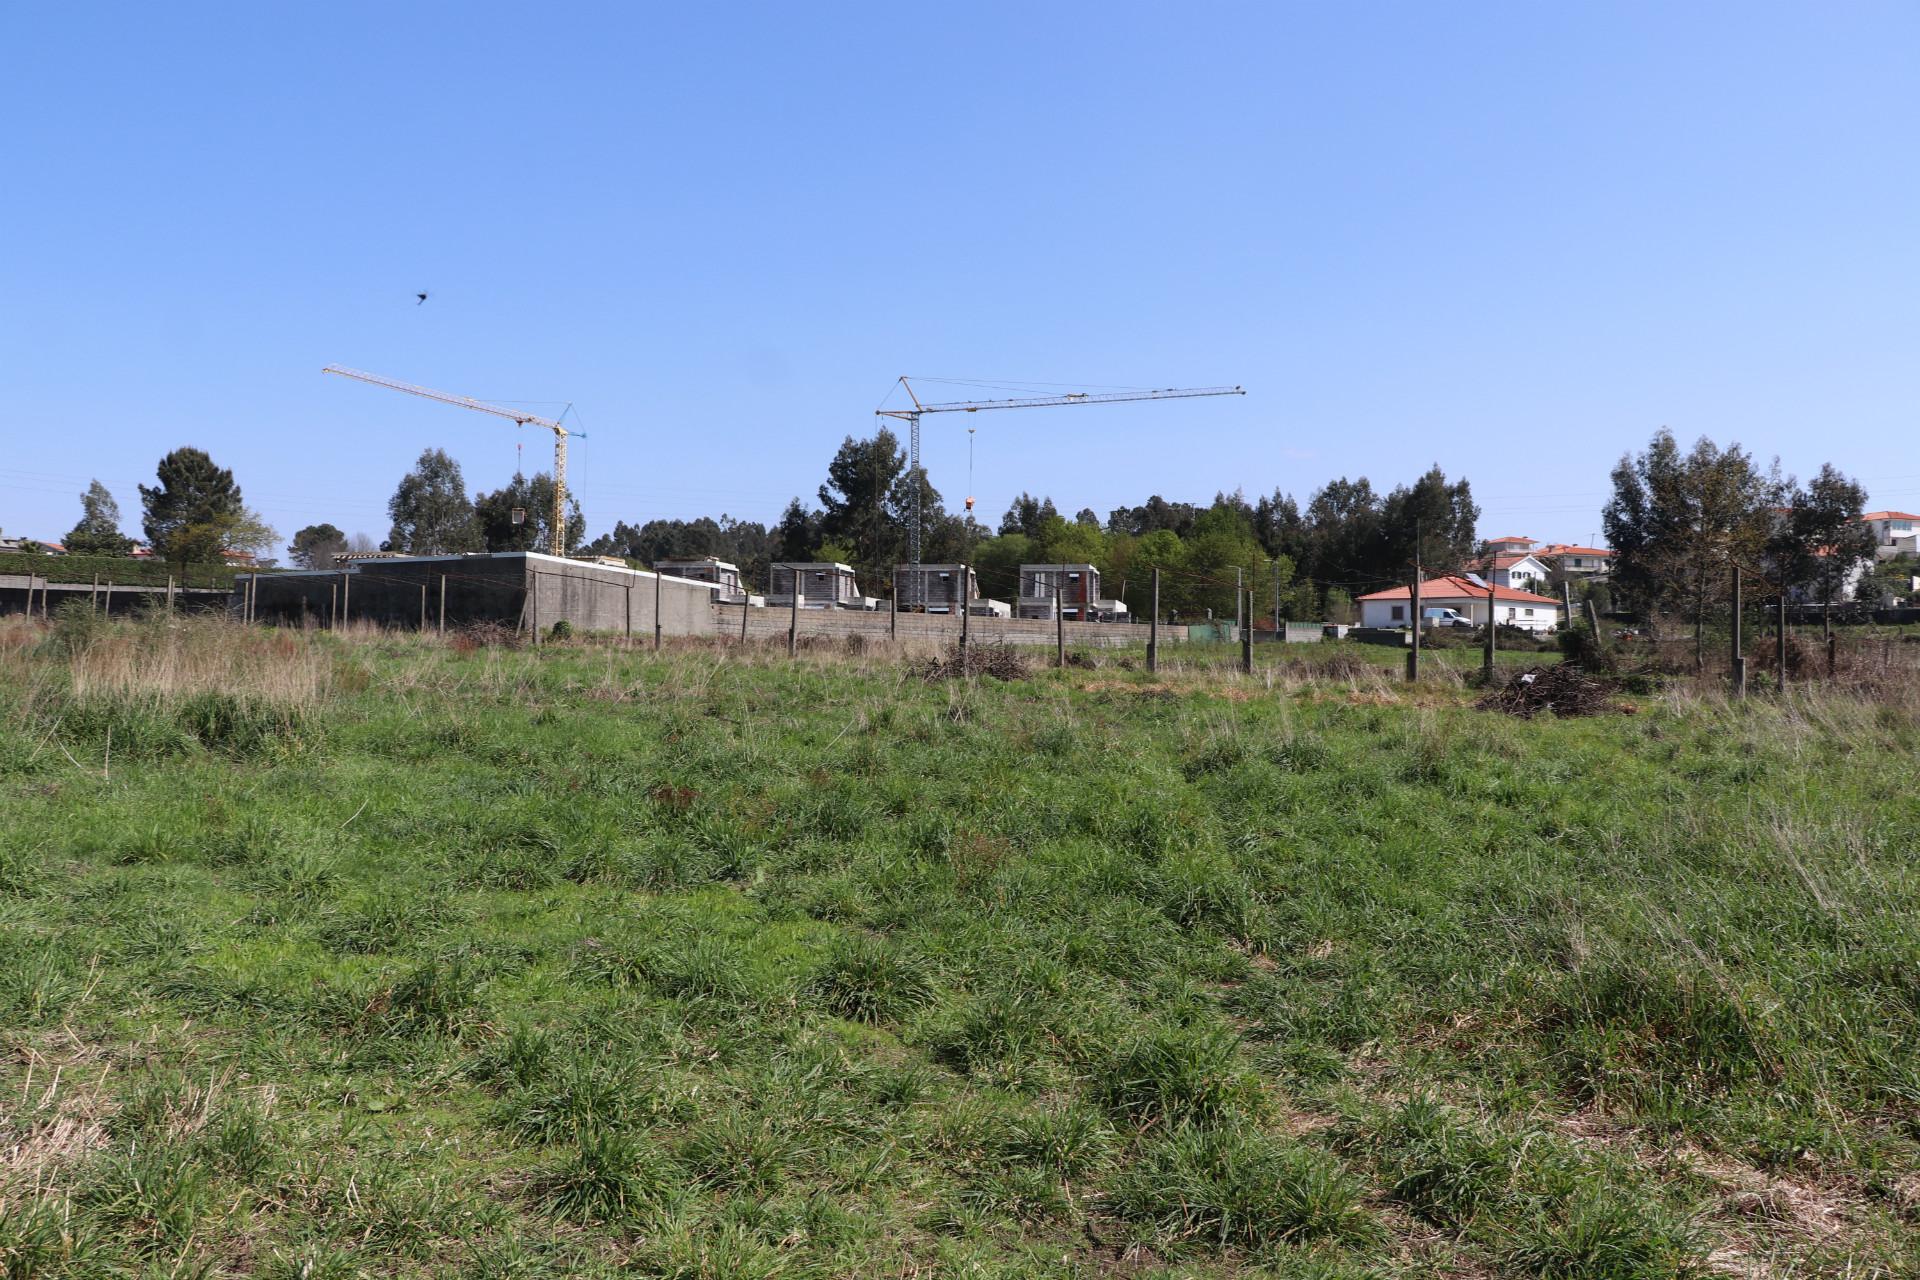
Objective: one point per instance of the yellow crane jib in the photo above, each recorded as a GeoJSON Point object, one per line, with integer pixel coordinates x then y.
{"type": "Point", "coordinates": [558, 526]}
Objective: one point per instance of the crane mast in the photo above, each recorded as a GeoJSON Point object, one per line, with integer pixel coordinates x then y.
{"type": "Point", "coordinates": [912, 418]}
{"type": "Point", "coordinates": [557, 526]}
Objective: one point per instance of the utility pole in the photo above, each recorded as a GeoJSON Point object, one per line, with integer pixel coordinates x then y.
{"type": "Point", "coordinates": [1153, 626]}
{"type": "Point", "coordinates": [1739, 659]}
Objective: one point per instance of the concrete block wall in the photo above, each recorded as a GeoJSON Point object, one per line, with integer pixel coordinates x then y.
{"type": "Point", "coordinates": [515, 590]}
{"type": "Point", "coordinates": [771, 624]}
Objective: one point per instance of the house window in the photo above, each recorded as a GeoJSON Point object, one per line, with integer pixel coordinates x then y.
{"type": "Point", "coordinates": [1509, 612]}
{"type": "Point", "coordinates": [1399, 613]}
{"type": "Point", "coordinates": [1530, 613]}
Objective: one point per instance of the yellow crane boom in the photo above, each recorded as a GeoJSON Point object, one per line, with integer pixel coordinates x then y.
{"type": "Point", "coordinates": [558, 526]}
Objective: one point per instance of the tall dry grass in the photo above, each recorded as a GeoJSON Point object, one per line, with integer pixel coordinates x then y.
{"type": "Point", "coordinates": [167, 661]}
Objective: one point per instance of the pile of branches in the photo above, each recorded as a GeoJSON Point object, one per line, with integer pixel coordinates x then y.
{"type": "Point", "coordinates": [1562, 688]}
{"type": "Point", "coordinates": [1000, 661]}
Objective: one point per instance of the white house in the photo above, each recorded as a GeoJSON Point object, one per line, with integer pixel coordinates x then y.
{"type": "Point", "coordinates": [1895, 533]}
{"type": "Point", "coordinates": [1521, 570]}
{"type": "Point", "coordinates": [1466, 596]}
{"type": "Point", "coordinates": [1572, 561]}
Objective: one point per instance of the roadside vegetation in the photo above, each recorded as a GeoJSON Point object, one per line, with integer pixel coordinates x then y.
{"type": "Point", "coordinates": [328, 955]}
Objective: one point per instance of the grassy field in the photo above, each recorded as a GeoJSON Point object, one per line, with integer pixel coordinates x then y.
{"type": "Point", "coordinates": [342, 955]}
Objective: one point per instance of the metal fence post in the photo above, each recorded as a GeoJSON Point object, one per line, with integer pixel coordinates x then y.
{"type": "Point", "coordinates": [966, 625]}
{"type": "Point", "coordinates": [656, 611]}
{"type": "Point", "coordinates": [1059, 626]}
{"type": "Point", "coordinates": [1413, 654]}
{"type": "Point", "coordinates": [443, 604]}
{"type": "Point", "coordinates": [793, 621]}
{"type": "Point", "coordinates": [1780, 640]}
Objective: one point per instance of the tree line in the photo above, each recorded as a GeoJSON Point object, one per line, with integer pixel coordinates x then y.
{"type": "Point", "coordinates": [1348, 539]}
{"type": "Point", "coordinates": [1679, 522]}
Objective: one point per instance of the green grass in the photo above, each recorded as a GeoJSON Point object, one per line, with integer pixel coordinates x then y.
{"type": "Point", "coordinates": [440, 961]}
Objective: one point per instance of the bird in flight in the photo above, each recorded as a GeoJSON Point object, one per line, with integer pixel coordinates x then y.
{"type": "Point", "coordinates": [422, 297]}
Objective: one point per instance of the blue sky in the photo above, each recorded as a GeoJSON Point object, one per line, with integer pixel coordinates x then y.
{"type": "Point", "coordinates": [1511, 239]}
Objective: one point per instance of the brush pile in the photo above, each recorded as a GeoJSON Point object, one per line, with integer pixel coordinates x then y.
{"type": "Point", "coordinates": [1000, 661]}
{"type": "Point", "coordinates": [1562, 688]}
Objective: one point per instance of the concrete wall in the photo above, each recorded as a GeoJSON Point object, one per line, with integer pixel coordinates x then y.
{"type": "Point", "coordinates": [519, 590]}
{"type": "Point", "coordinates": [771, 624]}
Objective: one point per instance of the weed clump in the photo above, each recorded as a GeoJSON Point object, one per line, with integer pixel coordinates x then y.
{"type": "Point", "coordinates": [1219, 1189]}
{"type": "Point", "coordinates": [866, 979]}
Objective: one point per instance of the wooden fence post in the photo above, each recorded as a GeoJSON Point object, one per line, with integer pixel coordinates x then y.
{"type": "Point", "coordinates": [1493, 625]}
{"type": "Point", "coordinates": [1413, 653]}
{"type": "Point", "coordinates": [1780, 640]}
{"type": "Point", "coordinates": [169, 593]}
{"type": "Point", "coordinates": [1153, 626]}
{"type": "Point", "coordinates": [423, 608]}
{"type": "Point", "coordinates": [1059, 626]}
{"type": "Point", "coordinates": [1245, 608]}
{"type": "Point", "coordinates": [1739, 659]}
{"type": "Point", "coordinates": [966, 622]}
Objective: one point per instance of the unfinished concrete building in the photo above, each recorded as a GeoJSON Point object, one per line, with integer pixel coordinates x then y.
{"type": "Point", "coordinates": [1075, 588]}
{"type": "Point", "coordinates": [824, 584]}
{"type": "Point", "coordinates": [934, 588]}
{"type": "Point", "coordinates": [712, 569]}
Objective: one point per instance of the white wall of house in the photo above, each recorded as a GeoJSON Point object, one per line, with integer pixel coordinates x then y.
{"type": "Point", "coordinates": [1508, 613]}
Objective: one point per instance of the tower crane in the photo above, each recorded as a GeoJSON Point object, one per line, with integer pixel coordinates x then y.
{"type": "Point", "coordinates": [912, 418]}
{"type": "Point", "coordinates": [558, 526]}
